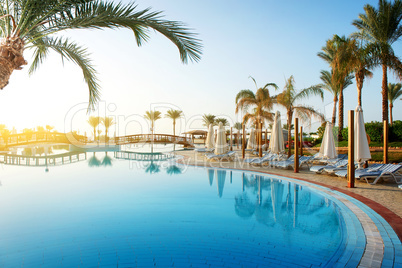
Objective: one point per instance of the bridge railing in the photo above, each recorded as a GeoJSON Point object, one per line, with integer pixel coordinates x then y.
{"type": "Point", "coordinates": [138, 138]}
{"type": "Point", "coordinates": [31, 137]}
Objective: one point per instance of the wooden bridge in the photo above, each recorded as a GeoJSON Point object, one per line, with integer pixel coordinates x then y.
{"type": "Point", "coordinates": [50, 160]}
{"type": "Point", "coordinates": [69, 138]}
{"type": "Point", "coordinates": [153, 138]}
{"type": "Point", "coordinates": [143, 156]}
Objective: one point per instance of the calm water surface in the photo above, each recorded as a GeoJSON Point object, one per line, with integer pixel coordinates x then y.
{"type": "Point", "coordinates": [108, 212]}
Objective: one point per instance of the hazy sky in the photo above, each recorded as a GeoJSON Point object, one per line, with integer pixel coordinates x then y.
{"type": "Point", "coordinates": [269, 40]}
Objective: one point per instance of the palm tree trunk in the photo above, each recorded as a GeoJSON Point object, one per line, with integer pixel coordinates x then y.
{"type": "Point", "coordinates": [384, 93]}
{"type": "Point", "coordinates": [359, 84]}
{"type": "Point", "coordinates": [94, 133]}
{"type": "Point", "coordinates": [390, 112]}
{"type": "Point", "coordinates": [106, 137]}
{"type": "Point", "coordinates": [11, 58]}
{"type": "Point", "coordinates": [340, 124]}
{"type": "Point", "coordinates": [334, 111]}
{"type": "Point", "coordinates": [290, 115]}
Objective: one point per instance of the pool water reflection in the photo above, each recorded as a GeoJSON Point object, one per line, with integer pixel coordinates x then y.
{"type": "Point", "coordinates": [111, 212]}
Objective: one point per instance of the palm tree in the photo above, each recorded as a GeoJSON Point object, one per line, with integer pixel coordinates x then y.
{"type": "Point", "coordinates": [208, 119]}
{"type": "Point", "coordinates": [174, 115]}
{"type": "Point", "coordinates": [361, 62]}
{"type": "Point", "coordinates": [337, 53]}
{"type": "Point", "coordinates": [152, 116]}
{"type": "Point", "coordinates": [37, 25]}
{"type": "Point", "coordinates": [49, 128]}
{"type": "Point", "coordinates": [394, 92]}
{"type": "Point", "coordinates": [94, 121]}
{"type": "Point", "coordinates": [224, 121]}
{"type": "Point", "coordinates": [381, 28]}
{"type": "Point", "coordinates": [288, 99]}
{"type": "Point", "coordinates": [330, 84]}
{"type": "Point", "coordinates": [261, 100]}
{"type": "Point", "coordinates": [107, 122]}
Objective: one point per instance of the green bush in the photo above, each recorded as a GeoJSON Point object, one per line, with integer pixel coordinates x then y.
{"type": "Point", "coordinates": [375, 131]}
{"type": "Point", "coordinates": [345, 134]}
{"type": "Point", "coordinates": [395, 132]}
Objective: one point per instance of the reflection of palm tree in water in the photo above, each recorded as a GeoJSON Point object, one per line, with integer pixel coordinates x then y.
{"type": "Point", "coordinates": [107, 160]}
{"type": "Point", "coordinates": [93, 161]}
{"type": "Point", "coordinates": [152, 168]}
{"type": "Point", "coordinates": [173, 169]}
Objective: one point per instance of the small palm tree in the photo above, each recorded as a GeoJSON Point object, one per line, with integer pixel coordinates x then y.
{"type": "Point", "coordinates": [49, 128]}
{"type": "Point", "coordinates": [208, 119]}
{"type": "Point", "coordinates": [152, 116]}
{"type": "Point", "coordinates": [381, 27]}
{"type": "Point", "coordinates": [337, 53]}
{"type": "Point", "coordinates": [238, 126]}
{"type": "Point", "coordinates": [174, 115]}
{"type": "Point", "coordinates": [94, 122]}
{"type": "Point", "coordinates": [330, 83]}
{"type": "Point", "coordinates": [288, 99]}
{"type": "Point", "coordinates": [38, 24]}
{"type": "Point", "coordinates": [394, 92]}
{"type": "Point", "coordinates": [224, 121]}
{"type": "Point", "coordinates": [261, 101]}
{"type": "Point", "coordinates": [107, 122]}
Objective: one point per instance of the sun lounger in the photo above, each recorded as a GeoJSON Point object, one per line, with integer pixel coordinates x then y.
{"type": "Point", "coordinates": [265, 159]}
{"type": "Point", "coordinates": [285, 162]}
{"type": "Point", "coordinates": [226, 156]}
{"type": "Point", "coordinates": [374, 167]}
{"type": "Point", "coordinates": [204, 150]}
{"type": "Point", "coordinates": [332, 161]}
{"type": "Point", "coordinates": [303, 160]}
{"type": "Point", "coordinates": [377, 172]}
{"type": "Point", "coordinates": [340, 165]}
{"type": "Point", "coordinates": [320, 168]}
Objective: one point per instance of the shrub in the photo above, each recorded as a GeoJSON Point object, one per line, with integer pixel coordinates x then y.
{"type": "Point", "coordinates": [395, 132]}
{"type": "Point", "coordinates": [375, 131]}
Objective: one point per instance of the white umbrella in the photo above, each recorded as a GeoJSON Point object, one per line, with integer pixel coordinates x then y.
{"type": "Point", "coordinates": [221, 146]}
{"type": "Point", "coordinates": [276, 144]}
{"type": "Point", "coordinates": [362, 150]}
{"type": "Point", "coordinates": [327, 149]}
{"type": "Point", "coordinates": [251, 144]}
{"type": "Point", "coordinates": [210, 142]}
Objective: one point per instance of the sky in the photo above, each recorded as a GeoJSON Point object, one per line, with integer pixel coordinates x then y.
{"type": "Point", "coordinates": [266, 39]}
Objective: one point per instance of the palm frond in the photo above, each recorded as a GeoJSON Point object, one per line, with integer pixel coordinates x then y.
{"type": "Point", "coordinates": [306, 112]}
{"type": "Point", "coordinates": [101, 15]}
{"type": "Point", "coordinates": [315, 90]}
{"type": "Point", "coordinates": [73, 52]}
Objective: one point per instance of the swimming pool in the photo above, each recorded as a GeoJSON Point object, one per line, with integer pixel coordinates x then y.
{"type": "Point", "coordinates": [108, 212]}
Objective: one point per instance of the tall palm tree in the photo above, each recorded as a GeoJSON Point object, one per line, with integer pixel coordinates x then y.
{"type": "Point", "coordinates": [208, 119]}
{"type": "Point", "coordinates": [394, 92]}
{"type": "Point", "coordinates": [330, 84]}
{"type": "Point", "coordinates": [288, 99]}
{"type": "Point", "coordinates": [361, 62]}
{"type": "Point", "coordinates": [107, 122]}
{"type": "Point", "coordinates": [38, 24]}
{"type": "Point", "coordinates": [94, 122]}
{"type": "Point", "coordinates": [174, 115]}
{"type": "Point", "coordinates": [381, 28]}
{"type": "Point", "coordinates": [261, 101]}
{"type": "Point", "coordinates": [152, 116]}
{"type": "Point", "coordinates": [337, 53]}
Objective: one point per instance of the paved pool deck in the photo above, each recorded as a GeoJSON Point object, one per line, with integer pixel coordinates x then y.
{"type": "Point", "coordinates": [383, 248]}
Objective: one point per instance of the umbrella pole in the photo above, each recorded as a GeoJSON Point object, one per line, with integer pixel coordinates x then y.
{"type": "Point", "coordinates": [351, 151]}
{"type": "Point", "coordinates": [260, 139]}
{"type": "Point", "coordinates": [243, 144]}
{"type": "Point", "coordinates": [296, 162]}
{"type": "Point", "coordinates": [266, 138]}
{"type": "Point", "coordinates": [301, 140]}
{"type": "Point", "coordinates": [385, 148]}
{"type": "Point", "coordinates": [231, 139]}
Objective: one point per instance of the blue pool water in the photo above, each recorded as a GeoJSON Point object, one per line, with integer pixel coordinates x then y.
{"type": "Point", "coordinates": [107, 212]}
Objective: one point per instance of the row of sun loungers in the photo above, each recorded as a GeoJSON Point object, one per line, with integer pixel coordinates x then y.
{"type": "Point", "coordinates": [376, 172]}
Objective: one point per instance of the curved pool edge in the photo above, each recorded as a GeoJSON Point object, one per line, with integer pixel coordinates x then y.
{"type": "Point", "coordinates": [388, 252]}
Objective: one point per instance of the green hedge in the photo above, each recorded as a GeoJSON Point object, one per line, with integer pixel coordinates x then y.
{"type": "Point", "coordinates": [375, 131]}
